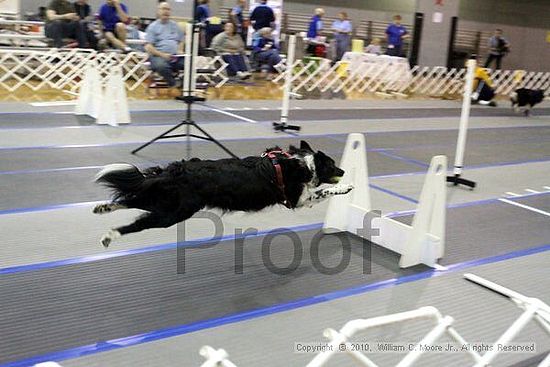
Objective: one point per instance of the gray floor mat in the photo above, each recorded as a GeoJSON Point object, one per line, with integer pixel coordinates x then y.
{"type": "Point", "coordinates": [86, 303]}
{"type": "Point", "coordinates": [82, 304]}
{"type": "Point", "coordinates": [163, 117]}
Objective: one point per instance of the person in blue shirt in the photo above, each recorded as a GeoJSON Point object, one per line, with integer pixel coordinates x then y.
{"type": "Point", "coordinates": [316, 24]}
{"type": "Point", "coordinates": [262, 16]}
{"type": "Point", "coordinates": [265, 50]}
{"type": "Point", "coordinates": [114, 16]}
{"type": "Point", "coordinates": [342, 35]}
{"type": "Point", "coordinates": [395, 34]}
{"type": "Point", "coordinates": [237, 18]}
{"type": "Point", "coordinates": [202, 12]}
{"type": "Point", "coordinates": [164, 40]}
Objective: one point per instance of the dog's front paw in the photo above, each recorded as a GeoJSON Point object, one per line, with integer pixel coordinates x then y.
{"type": "Point", "coordinates": [343, 189]}
{"type": "Point", "coordinates": [109, 237]}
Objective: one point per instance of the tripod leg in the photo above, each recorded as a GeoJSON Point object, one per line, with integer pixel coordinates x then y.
{"type": "Point", "coordinates": [158, 137]}
{"type": "Point", "coordinates": [214, 140]}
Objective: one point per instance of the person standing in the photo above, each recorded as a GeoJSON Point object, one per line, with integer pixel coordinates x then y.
{"type": "Point", "coordinates": [498, 48]}
{"type": "Point", "coordinates": [262, 16]}
{"type": "Point", "coordinates": [316, 24]}
{"type": "Point", "coordinates": [342, 35]}
{"type": "Point", "coordinates": [395, 34]}
{"type": "Point", "coordinates": [237, 18]}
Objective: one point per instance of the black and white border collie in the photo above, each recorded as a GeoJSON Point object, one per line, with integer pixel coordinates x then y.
{"type": "Point", "coordinates": [527, 98]}
{"type": "Point", "coordinates": [172, 194]}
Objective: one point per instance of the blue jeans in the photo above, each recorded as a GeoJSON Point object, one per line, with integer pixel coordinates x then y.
{"type": "Point", "coordinates": [59, 29]}
{"type": "Point", "coordinates": [269, 57]}
{"type": "Point", "coordinates": [342, 45]}
{"type": "Point", "coordinates": [395, 51]}
{"type": "Point", "coordinates": [166, 69]}
{"type": "Point", "coordinates": [235, 63]}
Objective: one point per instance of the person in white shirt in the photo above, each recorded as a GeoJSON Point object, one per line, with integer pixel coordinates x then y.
{"type": "Point", "coordinates": [374, 47]}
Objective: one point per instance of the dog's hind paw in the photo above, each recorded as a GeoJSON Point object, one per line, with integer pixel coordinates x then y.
{"type": "Point", "coordinates": [109, 237]}
{"type": "Point", "coordinates": [102, 209]}
{"type": "Point", "coordinates": [106, 208]}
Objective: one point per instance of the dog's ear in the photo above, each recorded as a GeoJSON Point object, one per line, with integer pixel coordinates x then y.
{"type": "Point", "coordinates": [292, 149]}
{"type": "Point", "coordinates": [305, 146]}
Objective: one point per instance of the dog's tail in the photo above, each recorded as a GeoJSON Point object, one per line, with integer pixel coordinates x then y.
{"type": "Point", "coordinates": [123, 178]}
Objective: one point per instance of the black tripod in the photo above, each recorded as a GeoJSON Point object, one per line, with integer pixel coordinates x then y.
{"type": "Point", "coordinates": [188, 98]}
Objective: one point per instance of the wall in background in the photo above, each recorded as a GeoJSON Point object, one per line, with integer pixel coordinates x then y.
{"type": "Point", "coordinates": [529, 48]}
{"type": "Point", "coordinates": [522, 13]}
{"type": "Point", "coordinates": [524, 22]}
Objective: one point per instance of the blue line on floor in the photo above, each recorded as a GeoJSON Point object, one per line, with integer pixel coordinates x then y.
{"type": "Point", "coordinates": [48, 170]}
{"type": "Point", "coordinates": [470, 203]}
{"type": "Point", "coordinates": [261, 312]}
{"type": "Point", "coordinates": [405, 159]}
{"type": "Point", "coordinates": [101, 145]}
{"type": "Point", "coordinates": [394, 194]}
{"type": "Point", "coordinates": [48, 207]}
{"type": "Point", "coordinates": [162, 247]}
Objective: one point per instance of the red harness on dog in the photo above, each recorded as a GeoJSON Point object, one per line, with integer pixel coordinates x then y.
{"type": "Point", "coordinates": [272, 155]}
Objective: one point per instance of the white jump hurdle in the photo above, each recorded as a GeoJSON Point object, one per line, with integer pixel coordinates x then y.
{"type": "Point", "coordinates": [421, 243]}
{"type": "Point", "coordinates": [215, 358]}
{"type": "Point", "coordinates": [534, 309]}
{"type": "Point", "coordinates": [443, 325]}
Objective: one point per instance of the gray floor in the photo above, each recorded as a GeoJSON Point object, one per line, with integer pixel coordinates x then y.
{"type": "Point", "coordinates": [480, 316]}
{"type": "Point", "coordinates": [30, 120]}
{"type": "Point", "coordinates": [119, 295]}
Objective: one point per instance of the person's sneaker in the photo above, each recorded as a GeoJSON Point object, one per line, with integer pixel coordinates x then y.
{"type": "Point", "coordinates": [243, 75]}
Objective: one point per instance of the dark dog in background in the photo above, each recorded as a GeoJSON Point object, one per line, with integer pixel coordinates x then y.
{"type": "Point", "coordinates": [527, 98]}
{"type": "Point", "coordinates": [172, 194]}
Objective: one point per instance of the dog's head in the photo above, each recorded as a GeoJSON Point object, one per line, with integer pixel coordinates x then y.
{"type": "Point", "coordinates": [323, 167]}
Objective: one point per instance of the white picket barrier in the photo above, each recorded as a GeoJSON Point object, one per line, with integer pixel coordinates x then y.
{"type": "Point", "coordinates": [387, 78]}
{"type": "Point", "coordinates": [341, 342]}
{"type": "Point", "coordinates": [421, 243]}
{"type": "Point", "coordinates": [64, 69]}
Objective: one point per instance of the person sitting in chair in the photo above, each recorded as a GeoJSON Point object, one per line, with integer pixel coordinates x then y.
{"type": "Point", "coordinates": [230, 46]}
{"type": "Point", "coordinates": [165, 40]}
{"type": "Point", "coordinates": [265, 50]}
{"type": "Point", "coordinates": [114, 17]}
{"type": "Point", "coordinates": [63, 22]}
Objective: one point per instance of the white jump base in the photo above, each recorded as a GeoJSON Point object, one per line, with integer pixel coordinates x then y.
{"type": "Point", "coordinates": [421, 243]}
